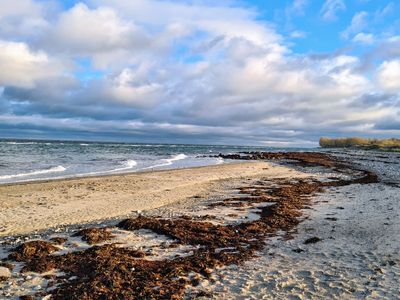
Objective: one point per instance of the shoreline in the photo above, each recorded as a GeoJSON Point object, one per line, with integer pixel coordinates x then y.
{"type": "Point", "coordinates": [69, 201]}
{"type": "Point", "coordinates": [105, 174]}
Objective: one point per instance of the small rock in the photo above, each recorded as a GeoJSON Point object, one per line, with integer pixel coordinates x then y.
{"type": "Point", "coordinates": [391, 263]}
{"type": "Point", "coordinates": [298, 250]}
{"type": "Point", "coordinates": [312, 240]}
{"type": "Point", "coordinates": [5, 272]}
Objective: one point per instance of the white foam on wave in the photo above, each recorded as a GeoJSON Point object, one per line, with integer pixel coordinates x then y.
{"type": "Point", "coordinates": [127, 165]}
{"type": "Point", "coordinates": [27, 143]}
{"type": "Point", "coordinates": [21, 143]}
{"type": "Point", "coordinates": [33, 173]}
{"type": "Point", "coordinates": [167, 161]}
{"type": "Point", "coordinates": [220, 161]}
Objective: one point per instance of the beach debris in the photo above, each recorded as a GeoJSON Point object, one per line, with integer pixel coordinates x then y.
{"type": "Point", "coordinates": [186, 231]}
{"type": "Point", "coordinates": [94, 235]}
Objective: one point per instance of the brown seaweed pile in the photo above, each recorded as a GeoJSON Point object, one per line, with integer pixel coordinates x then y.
{"type": "Point", "coordinates": [95, 235]}
{"type": "Point", "coordinates": [32, 250]}
{"type": "Point", "coordinates": [113, 272]}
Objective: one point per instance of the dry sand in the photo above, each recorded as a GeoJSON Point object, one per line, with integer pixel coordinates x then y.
{"type": "Point", "coordinates": [30, 207]}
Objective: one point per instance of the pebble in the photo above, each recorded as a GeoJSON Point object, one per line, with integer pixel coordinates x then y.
{"type": "Point", "coordinates": [5, 272]}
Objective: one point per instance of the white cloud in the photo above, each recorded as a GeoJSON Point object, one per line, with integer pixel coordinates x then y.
{"type": "Point", "coordinates": [84, 31]}
{"type": "Point", "coordinates": [22, 67]}
{"type": "Point", "coordinates": [358, 23]}
{"type": "Point", "coordinates": [19, 8]}
{"type": "Point", "coordinates": [331, 8]}
{"type": "Point", "coordinates": [24, 17]}
{"type": "Point", "coordinates": [215, 19]}
{"type": "Point", "coordinates": [364, 38]}
{"type": "Point", "coordinates": [128, 88]}
{"type": "Point", "coordinates": [389, 75]}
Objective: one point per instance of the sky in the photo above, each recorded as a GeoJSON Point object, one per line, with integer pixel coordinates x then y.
{"type": "Point", "coordinates": [244, 72]}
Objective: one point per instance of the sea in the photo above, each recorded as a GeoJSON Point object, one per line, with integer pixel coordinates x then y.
{"type": "Point", "coordinates": [31, 160]}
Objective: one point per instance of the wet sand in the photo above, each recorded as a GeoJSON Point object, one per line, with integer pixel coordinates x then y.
{"type": "Point", "coordinates": [29, 207]}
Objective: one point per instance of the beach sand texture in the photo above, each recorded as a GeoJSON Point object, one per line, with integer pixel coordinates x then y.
{"type": "Point", "coordinates": [29, 207]}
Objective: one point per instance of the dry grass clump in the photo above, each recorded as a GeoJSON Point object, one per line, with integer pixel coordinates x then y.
{"type": "Point", "coordinates": [357, 142]}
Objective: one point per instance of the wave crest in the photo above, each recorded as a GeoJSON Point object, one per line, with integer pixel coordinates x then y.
{"type": "Point", "coordinates": [33, 173]}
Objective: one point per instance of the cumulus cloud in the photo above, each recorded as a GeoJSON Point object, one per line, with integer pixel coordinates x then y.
{"type": "Point", "coordinates": [24, 18]}
{"type": "Point", "coordinates": [98, 33]}
{"type": "Point", "coordinates": [389, 75]}
{"type": "Point", "coordinates": [85, 31]}
{"type": "Point", "coordinates": [22, 67]}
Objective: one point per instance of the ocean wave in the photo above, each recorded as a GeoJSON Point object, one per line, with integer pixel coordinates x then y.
{"type": "Point", "coordinates": [21, 143]}
{"type": "Point", "coordinates": [126, 165]}
{"type": "Point", "coordinates": [220, 161]}
{"type": "Point", "coordinates": [33, 173]}
{"type": "Point", "coordinates": [129, 164]}
{"type": "Point", "coordinates": [167, 161]}
{"type": "Point", "coordinates": [27, 143]}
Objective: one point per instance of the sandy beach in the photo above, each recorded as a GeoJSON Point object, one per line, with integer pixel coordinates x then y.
{"type": "Point", "coordinates": [322, 228]}
{"type": "Point", "coordinates": [29, 207]}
